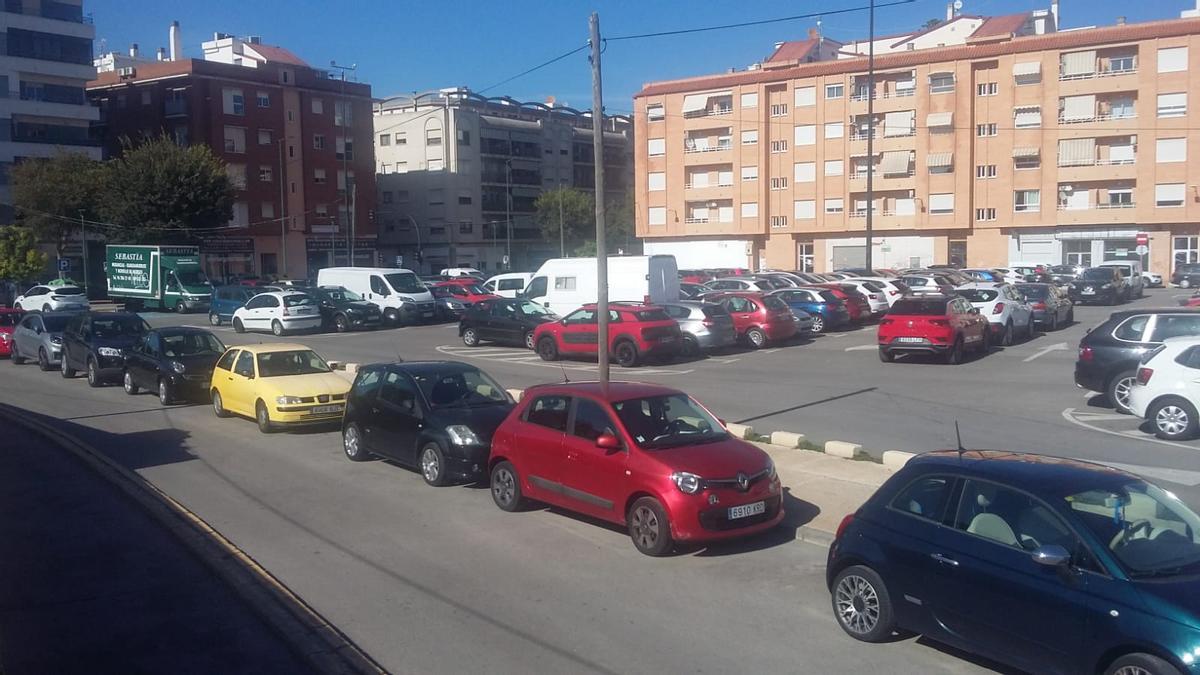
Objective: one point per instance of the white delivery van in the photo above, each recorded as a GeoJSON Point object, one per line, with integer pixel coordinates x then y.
{"type": "Point", "coordinates": [507, 285]}
{"type": "Point", "coordinates": [562, 285]}
{"type": "Point", "coordinates": [399, 294]}
{"type": "Point", "coordinates": [1132, 271]}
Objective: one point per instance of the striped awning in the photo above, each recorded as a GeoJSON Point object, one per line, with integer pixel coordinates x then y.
{"type": "Point", "coordinates": [1076, 108]}
{"type": "Point", "coordinates": [1022, 153]}
{"type": "Point", "coordinates": [1077, 152]}
{"type": "Point", "coordinates": [895, 162]}
{"type": "Point", "coordinates": [1079, 63]}
{"type": "Point", "coordinates": [940, 119]}
{"type": "Point", "coordinates": [1026, 69]}
{"type": "Point", "coordinates": [938, 159]}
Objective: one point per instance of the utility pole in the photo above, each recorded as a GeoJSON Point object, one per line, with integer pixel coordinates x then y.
{"type": "Point", "coordinates": [870, 133]}
{"type": "Point", "coordinates": [508, 212]}
{"type": "Point", "coordinates": [347, 142]}
{"type": "Point", "coordinates": [601, 242]}
{"type": "Point", "coordinates": [562, 242]}
{"type": "Point", "coordinates": [83, 233]}
{"type": "Point", "coordinates": [283, 210]}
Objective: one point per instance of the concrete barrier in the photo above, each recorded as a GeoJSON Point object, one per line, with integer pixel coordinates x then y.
{"type": "Point", "coordinates": [843, 449]}
{"type": "Point", "coordinates": [786, 439]}
{"type": "Point", "coordinates": [739, 430]}
{"type": "Point", "coordinates": [896, 459]}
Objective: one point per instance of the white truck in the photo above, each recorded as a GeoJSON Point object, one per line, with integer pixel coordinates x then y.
{"type": "Point", "coordinates": [399, 294]}
{"type": "Point", "coordinates": [565, 284]}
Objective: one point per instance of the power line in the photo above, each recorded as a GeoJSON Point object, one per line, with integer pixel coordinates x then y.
{"type": "Point", "coordinates": [556, 59]}
{"type": "Point", "coordinates": [745, 24]}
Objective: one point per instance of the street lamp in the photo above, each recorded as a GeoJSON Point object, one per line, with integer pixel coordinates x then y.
{"type": "Point", "coordinates": [508, 213]}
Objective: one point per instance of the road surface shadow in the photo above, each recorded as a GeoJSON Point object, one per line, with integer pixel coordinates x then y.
{"type": "Point", "coordinates": [134, 450]}
{"type": "Point", "coordinates": [796, 514]}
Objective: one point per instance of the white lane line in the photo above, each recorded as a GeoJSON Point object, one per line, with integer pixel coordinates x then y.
{"type": "Point", "coordinates": [730, 360]}
{"type": "Point", "coordinates": [837, 335]}
{"type": "Point", "coordinates": [861, 348]}
{"type": "Point", "coordinates": [1046, 350]}
{"type": "Point", "coordinates": [1100, 417]}
{"type": "Point", "coordinates": [1068, 415]}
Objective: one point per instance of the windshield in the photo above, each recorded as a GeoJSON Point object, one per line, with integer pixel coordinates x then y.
{"type": "Point", "coordinates": [55, 324]}
{"type": "Point", "coordinates": [439, 291]}
{"type": "Point", "coordinates": [297, 300]}
{"type": "Point", "coordinates": [110, 327]}
{"type": "Point", "coordinates": [1147, 529]}
{"type": "Point", "coordinates": [191, 277]}
{"type": "Point", "coordinates": [1035, 292]}
{"type": "Point", "coordinates": [190, 344]}
{"type": "Point", "coordinates": [298, 362]}
{"type": "Point", "coordinates": [340, 295]}
{"type": "Point", "coordinates": [533, 309]}
{"type": "Point", "coordinates": [466, 388]}
{"type": "Point", "coordinates": [473, 289]}
{"type": "Point", "coordinates": [405, 282]}
{"type": "Point", "coordinates": [978, 294]}
{"type": "Point", "coordinates": [67, 290]}
{"type": "Point", "coordinates": [915, 307]}
{"type": "Point", "coordinates": [1098, 273]}
{"type": "Point", "coordinates": [668, 421]}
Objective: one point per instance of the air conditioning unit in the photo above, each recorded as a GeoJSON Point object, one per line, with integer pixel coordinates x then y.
{"type": "Point", "coordinates": [126, 72]}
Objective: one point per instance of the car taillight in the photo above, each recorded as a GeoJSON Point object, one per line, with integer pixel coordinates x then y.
{"type": "Point", "coordinates": [286, 311]}
{"type": "Point", "coordinates": [1085, 353]}
{"type": "Point", "coordinates": [998, 309]}
{"type": "Point", "coordinates": [708, 323]}
{"type": "Point", "coordinates": [1144, 375]}
{"type": "Point", "coordinates": [1039, 305]}
{"type": "Point", "coordinates": [841, 528]}
{"type": "Point", "coordinates": [893, 292]}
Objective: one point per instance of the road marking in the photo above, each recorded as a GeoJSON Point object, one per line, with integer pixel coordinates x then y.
{"type": "Point", "coordinates": [460, 351]}
{"type": "Point", "coordinates": [837, 335]}
{"type": "Point", "coordinates": [729, 360]}
{"type": "Point", "coordinates": [861, 348]}
{"type": "Point", "coordinates": [1101, 417]}
{"type": "Point", "coordinates": [1068, 415]}
{"type": "Point", "coordinates": [1046, 350]}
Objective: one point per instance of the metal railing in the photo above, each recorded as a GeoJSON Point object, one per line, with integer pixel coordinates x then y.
{"type": "Point", "coordinates": [862, 135]}
{"type": "Point", "coordinates": [695, 220]}
{"type": "Point", "coordinates": [709, 112]}
{"type": "Point", "coordinates": [714, 148]}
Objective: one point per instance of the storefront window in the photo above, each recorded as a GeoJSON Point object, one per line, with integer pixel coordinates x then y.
{"type": "Point", "coordinates": [804, 256]}
{"type": "Point", "coordinates": [958, 252]}
{"type": "Point", "coordinates": [1185, 250]}
{"type": "Point", "coordinates": [1077, 252]}
{"type": "Point", "coordinates": [1120, 249]}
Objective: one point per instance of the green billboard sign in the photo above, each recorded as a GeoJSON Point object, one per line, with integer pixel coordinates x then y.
{"type": "Point", "coordinates": [129, 269]}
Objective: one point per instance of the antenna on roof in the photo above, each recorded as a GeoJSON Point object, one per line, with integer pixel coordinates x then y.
{"type": "Point", "coordinates": [958, 437]}
{"type": "Point", "coordinates": [566, 380]}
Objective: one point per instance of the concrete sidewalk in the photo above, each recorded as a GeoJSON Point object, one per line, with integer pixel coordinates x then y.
{"type": "Point", "coordinates": [90, 583]}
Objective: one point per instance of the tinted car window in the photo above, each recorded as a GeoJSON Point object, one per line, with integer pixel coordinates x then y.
{"type": "Point", "coordinates": [226, 361]}
{"type": "Point", "coordinates": [467, 388]}
{"type": "Point", "coordinates": [1035, 292]}
{"type": "Point", "coordinates": [1098, 274]}
{"type": "Point", "coordinates": [296, 362]}
{"type": "Point", "coordinates": [113, 326]}
{"type": "Point", "coordinates": [296, 300]}
{"type": "Point", "coordinates": [1131, 329]}
{"type": "Point", "coordinates": [652, 315]}
{"type": "Point", "coordinates": [536, 288]}
{"type": "Point", "coordinates": [591, 420]}
{"type": "Point", "coordinates": [978, 294]}
{"type": "Point", "coordinates": [1168, 326]}
{"type": "Point", "coordinates": [1190, 358]}
{"type": "Point", "coordinates": [581, 316]}
{"type": "Point", "coordinates": [68, 290]}
{"type": "Point", "coordinates": [256, 302]}
{"type": "Point", "coordinates": [713, 311]}
{"type": "Point", "coordinates": [9, 318]}
{"type": "Point", "coordinates": [188, 344]}
{"type": "Point", "coordinates": [1009, 517]}
{"type": "Point", "coordinates": [925, 497]}
{"type": "Point", "coordinates": [774, 303]}
{"type": "Point", "coordinates": [367, 383]}
{"type": "Point", "coordinates": [510, 285]}
{"type": "Point", "coordinates": [676, 312]}
{"type": "Point", "coordinates": [245, 365]}
{"type": "Point", "coordinates": [917, 307]}
{"type": "Point", "coordinates": [549, 412]}
{"type": "Point", "coordinates": [399, 391]}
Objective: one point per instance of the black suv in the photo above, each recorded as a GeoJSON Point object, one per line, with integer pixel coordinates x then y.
{"type": "Point", "coordinates": [1101, 285]}
{"type": "Point", "coordinates": [343, 310]}
{"type": "Point", "coordinates": [1187, 275]}
{"type": "Point", "coordinates": [503, 320]}
{"type": "Point", "coordinates": [1109, 353]}
{"type": "Point", "coordinates": [96, 342]}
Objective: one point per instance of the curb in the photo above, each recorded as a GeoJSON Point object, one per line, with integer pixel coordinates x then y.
{"type": "Point", "coordinates": [306, 632]}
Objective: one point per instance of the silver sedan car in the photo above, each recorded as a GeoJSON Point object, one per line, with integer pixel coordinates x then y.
{"type": "Point", "coordinates": [704, 325]}
{"type": "Point", "coordinates": [39, 338]}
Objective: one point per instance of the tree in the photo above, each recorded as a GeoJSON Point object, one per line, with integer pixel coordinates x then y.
{"type": "Point", "coordinates": [578, 216]}
{"type": "Point", "coordinates": [20, 260]}
{"type": "Point", "coordinates": [930, 23]}
{"type": "Point", "coordinates": [49, 195]}
{"type": "Point", "coordinates": [160, 192]}
{"type": "Point", "coordinates": [618, 228]}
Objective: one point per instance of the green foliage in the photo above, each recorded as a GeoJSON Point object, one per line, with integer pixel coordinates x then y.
{"type": "Point", "coordinates": [50, 194]}
{"type": "Point", "coordinates": [20, 260]}
{"type": "Point", "coordinates": [579, 221]}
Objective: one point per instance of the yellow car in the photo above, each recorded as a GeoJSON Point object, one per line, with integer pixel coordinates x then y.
{"type": "Point", "coordinates": [277, 385]}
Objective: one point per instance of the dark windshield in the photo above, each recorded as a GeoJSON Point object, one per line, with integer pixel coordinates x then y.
{"type": "Point", "coordinates": [110, 327]}
{"type": "Point", "coordinates": [460, 388]}
{"type": "Point", "coordinates": [978, 294]}
{"type": "Point", "coordinates": [190, 344]}
{"type": "Point", "coordinates": [668, 421]}
{"type": "Point", "coordinates": [55, 324]}
{"type": "Point", "coordinates": [299, 362]}
{"type": "Point", "coordinates": [773, 303]}
{"type": "Point", "coordinates": [339, 295]}
{"type": "Point", "coordinates": [918, 307]}
{"type": "Point", "coordinates": [404, 282]}
{"type": "Point", "coordinates": [533, 309]}
{"type": "Point", "coordinates": [655, 314]}
{"type": "Point", "coordinates": [1034, 291]}
{"type": "Point", "coordinates": [191, 277]}
{"type": "Point", "coordinates": [1098, 274]}
{"type": "Point", "coordinates": [1149, 530]}
{"type": "Point", "coordinates": [9, 318]}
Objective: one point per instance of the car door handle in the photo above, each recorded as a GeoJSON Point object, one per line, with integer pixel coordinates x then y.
{"type": "Point", "coordinates": [944, 560]}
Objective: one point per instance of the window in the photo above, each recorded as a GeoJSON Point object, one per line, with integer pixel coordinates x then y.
{"type": "Point", "coordinates": [750, 137]}
{"type": "Point", "coordinates": [657, 181]}
{"type": "Point", "coordinates": [1169, 194]}
{"type": "Point", "coordinates": [779, 146]}
{"type": "Point", "coordinates": [237, 175]}
{"type": "Point", "coordinates": [433, 137]}
{"type": "Point", "coordinates": [655, 113]}
{"type": "Point", "coordinates": [837, 205]}
{"type": "Point", "coordinates": [549, 412]}
{"type": "Point", "coordinates": [778, 221]}
{"type": "Point", "coordinates": [402, 196]}
{"type": "Point", "coordinates": [985, 171]}
{"type": "Point", "coordinates": [749, 173]}
{"type": "Point", "coordinates": [986, 89]}
{"type": "Point", "coordinates": [941, 83]}
{"type": "Point", "coordinates": [245, 364]}
{"type": "Point", "coordinates": [343, 114]}
{"type": "Point", "coordinates": [925, 497]}
{"type": "Point", "coordinates": [805, 96]}
{"type": "Point", "coordinates": [804, 209]}
{"type": "Point", "coordinates": [803, 172]}
{"type": "Point", "coordinates": [234, 101]}
{"type": "Point", "coordinates": [464, 136]}
{"type": "Point", "coordinates": [386, 196]}
{"type": "Point", "coordinates": [318, 106]}
{"type": "Point", "coordinates": [985, 214]}
{"type": "Point", "coordinates": [1125, 63]}
{"type": "Point", "coordinates": [322, 209]}
{"type": "Point", "coordinates": [1025, 162]}
{"type": "Point", "coordinates": [318, 142]}
{"type": "Point", "coordinates": [835, 91]}
{"type": "Point", "coordinates": [401, 167]}
{"type": "Point", "coordinates": [235, 139]}
{"type": "Point", "coordinates": [1010, 518]}
{"type": "Point", "coordinates": [385, 139]}
{"type": "Point", "coordinates": [591, 420]}
{"type": "Point", "coordinates": [1028, 117]}
{"type": "Point", "coordinates": [319, 176]}
{"type": "Point", "coordinates": [779, 183]}
{"type": "Point", "coordinates": [1172, 105]}
{"type": "Point", "coordinates": [834, 167]}
{"type": "Point", "coordinates": [1172, 59]}
{"type": "Point", "coordinates": [657, 215]}
{"type": "Point", "coordinates": [398, 392]}
{"type": "Point", "coordinates": [1170, 150]}
{"type": "Point", "coordinates": [437, 196]}
{"type": "Point", "coordinates": [466, 227]}
{"type": "Point", "coordinates": [267, 210]}
{"type": "Point", "coordinates": [749, 209]}
{"type": "Point", "coordinates": [835, 129]}
{"type": "Point", "coordinates": [435, 165]}
{"type": "Point", "coordinates": [805, 134]}
{"type": "Point", "coordinates": [778, 109]}
{"type": "Point", "coordinates": [984, 130]}
{"type": "Point", "coordinates": [265, 173]}
{"type": "Point", "coordinates": [264, 136]}
{"type": "Point", "coordinates": [385, 168]}
{"type": "Point", "coordinates": [657, 147]}
{"type": "Point", "coordinates": [1027, 200]}
{"type": "Point", "coordinates": [941, 204]}
{"type": "Point", "coordinates": [264, 99]}
{"type": "Point", "coordinates": [343, 148]}
{"type": "Point", "coordinates": [1122, 108]}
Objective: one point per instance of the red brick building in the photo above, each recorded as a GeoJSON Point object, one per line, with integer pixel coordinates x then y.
{"type": "Point", "coordinates": [289, 134]}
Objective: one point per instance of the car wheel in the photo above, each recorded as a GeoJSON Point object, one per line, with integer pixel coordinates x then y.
{"type": "Point", "coordinates": [214, 318]}
{"type": "Point", "coordinates": [218, 405]}
{"type": "Point", "coordinates": [43, 360]}
{"type": "Point", "coordinates": [391, 317]}
{"type": "Point", "coordinates": [757, 338]}
{"type": "Point", "coordinates": [352, 443]}
{"type": "Point", "coordinates": [127, 382]}
{"type": "Point", "coordinates": [1174, 419]}
{"type": "Point", "coordinates": [263, 417]}
{"type": "Point", "coordinates": [433, 465]}
{"type": "Point", "coordinates": [818, 324]}
{"type": "Point", "coordinates": [529, 340]}
{"type": "Point", "coordinates": [66, 370]}
{"type": "Point", "coordinates": [886, 356]}
{"type": "Point", "coordinates": [1006, 340]}
{"type": "Point", "coordinates": [547, 348]}
{"type": "Point", "coordinates": [1140, 664]}
{"type": "Point", "coordinates": [15, 356]}
{"type": "Point", "coordinates": [340, 323]}
{"type": "Point", "coordinates": [93, 374]}
{"type": "Point", "coordinates": [506, 487]}
{"type": "Point", "coordinates": [470, 338]}
{"type": "Point", "coordinates": [277, 328]}
{"type": "Point", "coordinates": [649, 528]}
{"type": "Point", "coordinates": [626, 354]}
{"type": "Point", "coordinates": [238, 327]}
{"type": "Point", "coordinates": [1118, 390]}
{"type": "Point", "coordinates": [1185, 283]}
{"type": "Point", "coordinates": [955, 355]}
{"type": "Point", "coordinates": [862, 605]}
{"type": "Point", "coordinates": [164, 393]}
{"type": "Point", "coordinates": [180, 308]}
{"type": "Point", "coordinates": [690, 347]}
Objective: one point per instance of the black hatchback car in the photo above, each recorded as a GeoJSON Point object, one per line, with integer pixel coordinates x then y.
{"type": "Point", "coordinates": [1099, 285]}
{"type": "Point", "coordinates": [177, 363]}
{"type": "Point", "coordinates": [503, 320]}
{"type": "Point", "coordinates": [435, 416]}
{"type": "Point", "coordinates": [1048, 564]}
{"type": "Point", "coordinates": [96, 342]}
{"type": "Point", "coordinates": [343, 310]}
{"type": "Point", "coordinates": [1186, 275]}
{"type": "Point", "coordinates": [1109, 353]}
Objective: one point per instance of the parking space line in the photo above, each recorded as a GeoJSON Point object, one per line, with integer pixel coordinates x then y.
{"type": "Point", "coordinates": [860, 348]}
{"type": "Point", "coordinates": [1046, 350]}
{"type": "Point", "coordinates": [1069, 415]}
{"type": "Point", "coordinates": [1101, 417]}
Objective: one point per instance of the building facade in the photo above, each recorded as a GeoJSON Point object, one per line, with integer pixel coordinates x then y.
{"type": "Point", "coordinates": [447, 162]}
{"type": "Point", "coordinates": [1016, 144]}
{"type": "Point", "coordinates": [293, 139]}
{"type": "Point", "coordinates": [44, 64]}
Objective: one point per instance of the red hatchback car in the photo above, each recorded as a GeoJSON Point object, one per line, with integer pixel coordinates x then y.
{"type": "Point", "coordinates": [759, 319]}
{"type": "Point", "coordinates": [9, 318]}
{"type": "Point", "coordinates": [932, 324]}
{"type": "Point", "coordinates": [467, 292]}
{"type": "Point", "coordinates": [640, 455]}
{"type": "Point", "coordinates": [856, 303]}
{"type": "Point", "coordinates": [635, 332]}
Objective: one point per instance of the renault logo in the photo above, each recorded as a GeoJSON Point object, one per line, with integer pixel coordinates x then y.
{"type": "Point", "coordinates": [743, 481]}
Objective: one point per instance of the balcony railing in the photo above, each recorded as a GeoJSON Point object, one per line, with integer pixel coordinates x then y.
{"type": "Point", "coordinates": [1116, 205]}
{"type": "Point", "coordinates": [1106, 117]}
{"type": "Point", "coordinates": [1027, 208]}
{"type": "Point", "coordinates": [711, 148]}
{"type": "Point", "coordinates": [690, 186]}
{"type": "Point", "coordinates": [862, 96]}
{"type": "Point", "coordinates": [695, 220]}
{"type": "Point", "coordinates": [1097, 73]}
{"type": "Point", "coordinates": [862, 213]}
{"type": "Point", "coordinates": [900, 93]}
{"type": "Point", "coordinates": [709, 112]}
{"type": "Point", "coordinates": [1096, 162]}
{"type": "Point", "coordinates": [863, 135]}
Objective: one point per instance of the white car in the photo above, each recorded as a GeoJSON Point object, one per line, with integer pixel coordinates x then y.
{"type": "Point", "coordinates": [52, 299]}
{"type": "Point", "coordinates": [1005, 308]}
{"type": "Point", "coordinates": [875, 293]}
{"type": "Point", "coordinates": [507, 285]}
{"type": "Point", "coordinates": [279, 312]}
{"type": "Point", "coordinates": [745, 283]}
{"type": "Point", "coordinates": [1152, 280]}
{"type": "Point", "coordinates": [1166, 392]}
{"type": "Point", "coordinates": [892, 289]}
{"type": "Point", "coordinates": [925, 284]}
{"type": "Point", "coordinates": [461, 272]}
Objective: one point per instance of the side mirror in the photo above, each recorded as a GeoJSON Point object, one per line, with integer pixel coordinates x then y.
{"type": "Point", "coordinates": [607, 441]}
{"type": "Point", "coordinates": [1051, 555]}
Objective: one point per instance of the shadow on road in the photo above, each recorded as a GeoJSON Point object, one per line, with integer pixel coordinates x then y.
{"type": "Point", "coordinates": [801, 406]}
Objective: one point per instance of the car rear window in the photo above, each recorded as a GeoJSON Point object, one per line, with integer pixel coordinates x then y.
{"type": "Point", "coordinates": [656, 314]}
{"type": "Point", "coordinates": [1035, 292]}
{"type": "Point", "coordinates": [1132, 328]}
{"type": "Point", "coordinates": [714, 311]}
{"type": "Point", "coordinates": [774, 304]}
{"type": "Point", "coordinates": [874, 286]}
{"type": "Point", "coordinates": [9, 318]}
{"type": "Point", "coordinates": [918, 307]}
{"type": "Point", "coordinates": [979, 294]}
{"type": "Point", "coordinates": [55, 324]}
{"type": "Point", "coordinates": [67, 290]}
{"type": "Point", "coordinates": [828, 296]}
{"type": "Point", "coordinates": [901, 286]}
{"type": "Point", "coordinates": [296, 300]}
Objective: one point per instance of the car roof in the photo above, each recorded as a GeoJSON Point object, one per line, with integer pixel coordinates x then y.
{"type": "Point", "coordinates": [984, 285]}
{"type": "Point", "coordinates": [1124, 313]}
{"type": "Point", "coordinates": [179, 330]}
{"type": "Point", "coordinates": [625, 305]}
{"type": "Point", "coordinates": [426, 367]}
{"type": "Point", "coordinates": [617, 391]}
{"type": "Point", "coordinates": [268, 348]}
{"type": "Point", "coordinates": [1046, 474]}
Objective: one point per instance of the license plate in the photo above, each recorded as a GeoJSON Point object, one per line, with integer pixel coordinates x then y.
{"type": "Point", "coordinates": [427, 314]}
{"type": "Point", "coordinates": [1088, 291]}
{"type": "Point", "coordinates": [910, 339]}
{"type": "Point", "coordinates": [666, 339]}
{"type": "Point", "coordinates": [746, 510]}
{"type": "Point", "coordinates": [324, 409]}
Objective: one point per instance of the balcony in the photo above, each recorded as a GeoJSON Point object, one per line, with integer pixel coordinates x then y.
{"type": "Point", "coordinates": [710, 112]}
{"type": "Point", "coordinates": [862, 213]}
{"type": "Point", "coordinates": [864, 135]}
{"type": "Point", "coordinates": [175, 108]}
{"type": "Point", "coordinates": [691, 221]}
{"type": "Point", "coordinates": [1098, 117]}
{"type": "Point", "coordinates": [725, 145]}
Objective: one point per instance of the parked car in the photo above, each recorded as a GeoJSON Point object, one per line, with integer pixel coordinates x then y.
{"type": "Point", "coordinates": [177, 363]}
{"type": "Point", "coordinates": [508, 284]}
{"type": "Point", "coordinates": [1152, 279]}
{"type": "Point", "coordinates": [759, 319]}
{"type": "Point", "coordinates": [466, 293]}
{"type": "Point", "coordinates": [689, 290]}
{"type": "Point", "coordinates": [1100, 285]}
{"type": "Point", "coordinates": [636, 332]}
{"type": "Point", "coordinates": [744, 283]}
{"type": "Point", "coordinates": [437, 417]}
{"type": "Point", "coordinates": [226, 300]}
{"type": "Point", "coordinates": [1166, 392]}
{"type": "Point", "coordinates": [1052, 307]}
{"type": "Point", "coordinates": [1063, 275]}
{"type": "Point", "coordinates": [694, 276]}
{"type": "Point", "coordinates": [828, 312]}
{"type": "Point", "coordinates": [344, 310]}
{"type": "Point", "coordinates": [399, 294]}
{"type": "Point", "coordinates": [9, 318]}
{"type": "Point", "coordinates": [937, 284]}
{"type": "Point", "coordinates": [856, 305]}
{"type": "Point", "coordinates": [1109, 353]}
{"type": "Point", "coordinates": [986, 275]}
{"type": "Point", "coordinates": [448, 306]}
{"type": "Point", "coordinates": [39, 336]}
{"type": "Point", "coordinates": [47, 298]}
{"type": "Point", "coordinates": [892, 289]}
{"type": "Point", "coordinates": [1046, 564]}
{"type": "Point", "coordinates": [96, 341]}
{"type": "Point", "coordinates": [277, 385]}
{"type": "Point", "coordinates": [875, 294]}
{"type": "Point", "coordinates": [1010, 316]}
{"type": "Point", "coordinates": [511, 321]}
{"type": "Point", "coordinates": [1131, 272]}
{"type": "Point", "coordinates": [643, 456]}
{"type": "Point", "coordinates": [280, 312]}
{"type": "Point", "coordinates": [1186, 275]}
{"type": "Point", "coordinates": [705, 325]}
{"type": "Point", "coordinates": [780, 279]}
{"type": "Point", "coordinates": [563, 285]}
{"type": "Point", "coordinates": [947, 326]}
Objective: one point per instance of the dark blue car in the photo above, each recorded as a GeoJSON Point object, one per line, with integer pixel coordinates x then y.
{"type": "Point", "coordinates": [827, 310]}
{"type": "Point", "coordinates": [226, 300]}
{"type": "Point", "coordinates": [1047, 564]}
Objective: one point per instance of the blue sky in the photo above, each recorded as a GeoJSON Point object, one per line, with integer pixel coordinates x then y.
{"type": "Point", "coordinates": [402, 46]}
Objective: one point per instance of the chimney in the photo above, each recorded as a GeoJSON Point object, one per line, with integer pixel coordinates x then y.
{"type": "Point", "coordinates": [1120, 21]}
{"type": "Point", "coordinates": [176, 47]}
{"type": "Point", "coordinates": [1054, 13]}
{"type": "Point", "coordinates": [162, 53]}
{"type": "Point", "coordinates": [949, 11]}
{"type": "Point", "coordinates": [812, 34]}
{"type": "Point", "coordinates": [133, 50]}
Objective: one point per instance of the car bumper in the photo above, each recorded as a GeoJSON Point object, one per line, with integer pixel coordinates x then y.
{"type": "Point", "coordinates": [1098, 296]}
{"type": "Point", "coordinates": [1139, 400]}
{"type": "Point", "coordinates": [300, 323]}
{"type": "Point", "coordinates": [1089, 377]}
{"type": "Point", "coordinates": [716, 339]}
{"type": "Point", "coordinates": [782, 330]}
{"type": "Point", "coordinates": [804, 325]}
{"type": "Point", "coordinates": [302, 415]}
{"type": "Point", "coordinates": [365, 321]}
{"type": "Point", "coordinates": [471, 464]}
{"type": "Point", "coordinates": [196, 305]}
{"type": "Point", "coordinates": [68, 306]}
{"type": "Point", "coordinates": [711, 523]}
{"type": "Point", "coordinates": [190, 385]}
{"type": "Point", "coordinates": [927, 346]}
{"type": "Point", "coordinates": [840, 318]}
{"type": "Point", "coordinates": [1042, 316]}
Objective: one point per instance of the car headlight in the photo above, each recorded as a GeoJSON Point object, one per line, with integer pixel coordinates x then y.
{"type": "Point", "coordinates": [404, 298]}
{"type": "Point", "coordinates": [55, 340]}
{"type": "Point", "coordinates": [177, 367]}
{"type": "Point", "coordinates": [462, 435]}
{"type": "Point", "coordinates": [109, 351]}
{"type": "Point", "coordinates": [455, 305]}
{"type": "Point", "coordinates": [688, 483]}
{"type": "Point", "coordinates": [288, 400]}
{"type": "Point", "coordinates": [771, 474]}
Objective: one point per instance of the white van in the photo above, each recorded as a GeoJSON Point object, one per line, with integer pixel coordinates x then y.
{"type": "Point", "coordinates": [562, 285]}
{"type": "Point", "coordinates": [1132, 271]}
{"type": "Point", "coordinates": [507, 285]}
{"type": "Point", "coordinates": [399, 294]}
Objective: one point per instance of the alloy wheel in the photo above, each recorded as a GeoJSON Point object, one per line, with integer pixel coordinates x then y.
{"type": "Point", "coordinates": [857, 604]}
{"type": "Point", "coordinates": [1132, 670]}
{"type": "Point", "coordinates": [128, 382]}
{"type": "Point", "coordinates": [1171, 419]}
{"type": "Point", "coordinates": [504, 486]}
{"type": "Point", "coordinates": [529, 340]}
{"type": "Point", "coordinates": [164, 392]}
{"type": "Point", "coordinates": [350, 441]}
{"type": "Point", "coordinates": [645, 526]}
{"type": "Point", "coordinates": [818, 324]}
{"type": "Point", "coordinates": [1121, 391]}
{"type": "Point", "coordinates": [92, 376]}
{"type": "Point", "coordinates": [470, 338]}
{"type": "Point", "coordinates": [431, 468]}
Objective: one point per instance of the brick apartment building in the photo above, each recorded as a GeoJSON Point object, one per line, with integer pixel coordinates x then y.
{"type": "Point", "coordinates": [290, 135]}
{"type": "Point", "coordinates": [997, 140]}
